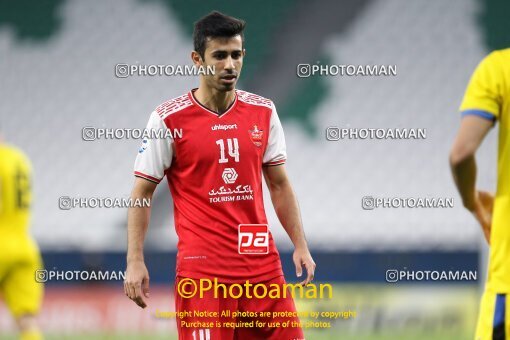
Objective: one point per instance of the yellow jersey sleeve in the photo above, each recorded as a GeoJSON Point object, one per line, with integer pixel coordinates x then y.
{"type": "Point", "coordinates": [483, 96]}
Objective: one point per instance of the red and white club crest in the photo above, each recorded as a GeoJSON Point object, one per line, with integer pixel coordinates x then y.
{"type": "Point", "coordinates": [256, 135]}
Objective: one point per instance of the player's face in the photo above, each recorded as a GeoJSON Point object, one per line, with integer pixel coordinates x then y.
{"type": "Point", "coordinates": [226, 56]}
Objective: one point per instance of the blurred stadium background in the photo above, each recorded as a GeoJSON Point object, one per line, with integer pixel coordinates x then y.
{"type": "Point", "coordinates": [57, 76]}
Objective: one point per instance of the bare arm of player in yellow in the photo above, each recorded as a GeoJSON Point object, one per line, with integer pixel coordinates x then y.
{"type": "Point", "coordinates": [472, 132]}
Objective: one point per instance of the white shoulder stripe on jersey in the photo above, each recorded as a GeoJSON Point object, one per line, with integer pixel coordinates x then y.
{"type": "Point", "coordinates": [173, 105]}
{"type": "Point", "coordinates": [254, 99]}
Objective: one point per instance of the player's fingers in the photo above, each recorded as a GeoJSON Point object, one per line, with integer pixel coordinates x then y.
{"type": "Point", "coordinates": [138, 289]}
{"type": "Point", "coordinates": [486, 232]}
{"type": "Point", "coordinates": [138, 295]}
{"type": "Point", "coordinates": [480, 215]}
{"type": "Point", "coordinates": [126, 289]}
{"type": "Point", "coordinates": [131, 290]}
{"type": "Point", "coordinates": [299, 269]}
{"type": "Point", "coordinates": [487, 228]}
{"type": "Point", "coordinates": [487, 236]}
{"type": "Point", "coordinates": [485, 222]}
{"type": "Point", "coordinates": [145, 287]}
{"type": "Point", "coordinates": [305, 281]}
{"type": "Point", "coordinates": [487, 200]}
{"type": "Point", "coordinates": [310, 271]}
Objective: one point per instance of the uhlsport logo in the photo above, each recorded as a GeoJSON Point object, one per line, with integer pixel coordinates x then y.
{"type": "Point", "coordinates": [253, 239]}
{"type": "Point", "coordinates": [229, 175]}
{"type": "Point", "coordinates": [224, 127]}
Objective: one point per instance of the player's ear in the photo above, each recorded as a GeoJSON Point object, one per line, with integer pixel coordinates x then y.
{"type": "Point", "coordinates": [196, 58]}
{"type": "Point", "coordinates": [244, 52]}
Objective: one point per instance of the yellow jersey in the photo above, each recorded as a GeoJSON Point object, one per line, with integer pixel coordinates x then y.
{"type": "Point", "coordinates": [15, 191]}
{"type": "Point", "coordinates": [20, 259]}
{"type": "Point", "coordinates": [488, 96]}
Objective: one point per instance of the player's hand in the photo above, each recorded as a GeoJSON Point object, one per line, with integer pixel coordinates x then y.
{"type": "Point", "coordinates": [136, 285]}
{"type": "Point", "coordinates": [484, 204]}
{"type": "Point", "coordinates": [303, 258]}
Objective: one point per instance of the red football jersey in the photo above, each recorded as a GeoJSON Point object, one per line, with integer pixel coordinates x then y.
{"type": "Point", "coordinates": [213, 164]}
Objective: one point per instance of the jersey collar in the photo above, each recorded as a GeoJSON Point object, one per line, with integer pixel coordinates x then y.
{"type": "Point", "coordinates": [217, 114]}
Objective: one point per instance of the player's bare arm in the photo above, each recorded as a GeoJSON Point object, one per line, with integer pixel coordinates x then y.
{"type": "Point", "coordinates": [287, 210]}
{"type": "Point", "coordinates": [472, 132]}
{"type": "Point", "coordinates": [136, 286]}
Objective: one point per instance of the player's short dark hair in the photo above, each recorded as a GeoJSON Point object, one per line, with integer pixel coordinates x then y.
{"type": "Point", "coordinates": [215, 25]}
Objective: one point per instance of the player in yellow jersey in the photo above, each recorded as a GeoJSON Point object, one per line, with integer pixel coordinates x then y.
{"type": "Point", "coordinates": [19, 255]}
{"type": "Point", "coordinates": [486, 104]}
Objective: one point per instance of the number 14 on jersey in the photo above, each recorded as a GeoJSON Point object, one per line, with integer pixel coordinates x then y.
{"type": "Point", "coordinates": [233, 149]}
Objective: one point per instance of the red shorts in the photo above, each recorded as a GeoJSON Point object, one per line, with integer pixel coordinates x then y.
{"type": "Point", "coordinates": [217, 317]}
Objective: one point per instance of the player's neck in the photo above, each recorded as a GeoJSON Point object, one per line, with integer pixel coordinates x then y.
{"type": "Point", "coordinates": [214, 100]}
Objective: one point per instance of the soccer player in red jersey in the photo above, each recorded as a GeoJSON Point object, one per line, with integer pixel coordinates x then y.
{"type": "Point", "coordinates": [222, 140]}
